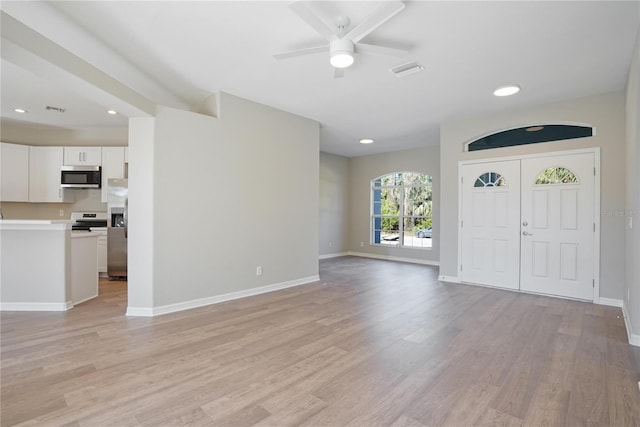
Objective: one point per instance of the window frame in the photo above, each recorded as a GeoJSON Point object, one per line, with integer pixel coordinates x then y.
{"type": "Point", "coordinates": [375, 227]}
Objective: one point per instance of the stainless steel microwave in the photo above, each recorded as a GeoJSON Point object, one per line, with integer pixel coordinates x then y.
{"type": "Point", "coordinates": [80, 177]}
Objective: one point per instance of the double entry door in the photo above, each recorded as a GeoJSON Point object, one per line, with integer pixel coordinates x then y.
{"type": "Point", "coordinates": [528, 224]}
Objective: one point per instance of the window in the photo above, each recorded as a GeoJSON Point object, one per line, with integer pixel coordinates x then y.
{"type": "Point", "coordinates": [530, 135]}
{"type": "Point", "coordinates": [401, 210]}
{"type": "Point", "coordinates": [490, 179]}
{"type": "Point", "coordinates": [558, 175]}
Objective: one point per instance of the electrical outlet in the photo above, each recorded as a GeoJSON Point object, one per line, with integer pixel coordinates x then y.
{"type": "Point", "coordinates": [259, 270]}
{"type": "Point", "coordinates": [61, 212]}
{"type": "Point", "coordinates": [361, 244]}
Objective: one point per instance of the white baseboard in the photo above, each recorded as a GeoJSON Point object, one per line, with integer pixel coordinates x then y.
{"type": "Point", "coordinates": [336, 255]}
{"type": "Point", "coordinates": [36, 306]}
{"type": "Point", "coordinates": [611, 302]}
{"type": "Point", "coordinates": [449, 279]}
{"type": "Point", "coordinates": [187, 305]}
{"type": "Point", "coordinates": [634, 339]}
{"type": "Point", "coordinates": [394, 258]}
{"type": "Point", "coordinates": [139, 311]}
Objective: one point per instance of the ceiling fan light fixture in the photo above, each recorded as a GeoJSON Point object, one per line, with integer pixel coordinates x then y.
{"type": "Point", "coordinates": [341, 53]}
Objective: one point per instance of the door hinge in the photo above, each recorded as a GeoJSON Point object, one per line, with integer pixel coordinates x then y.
{"type": "Point", "coordinates": [594, 227]}
{"type": "Point", "coordinates": [593, 283]}
{"type": "Point", "coordinates": [461, 180]}
{"type": "Point", "coordinates": [461, 224]}
{"type": "Point", "coordinates": [594, 171]}
{"type": "Point", "coordinates": [460, 267]}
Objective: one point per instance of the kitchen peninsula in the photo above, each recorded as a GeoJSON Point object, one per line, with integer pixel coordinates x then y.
{"type": "Point", "coordinates": [44, 266]}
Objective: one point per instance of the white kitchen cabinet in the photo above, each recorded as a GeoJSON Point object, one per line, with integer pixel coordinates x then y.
{"type": "Point", "coordinates": [83, 156]}
{"type": "Point", "coordinates": [84, 267]}
{"type": "Point", "coordinates": [14, 172]}
{"type": "Point", "coordinates": [112, 167]}
{"type": "Point", "coordinates": [44, 176]}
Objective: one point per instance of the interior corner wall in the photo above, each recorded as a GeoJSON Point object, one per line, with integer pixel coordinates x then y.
{"type": "Point", "coordinates": [362, 171]}
{"type": "Point", "coordinates": [605, 112]}
{"type": "Point", "coordinates": [632, 211]}
{"type": "Point", "coordinates": [140, 243]}
{"type": "Point", "coordinates": [231, 194]}
{"type": "Point", "coordinates": [334, 203]}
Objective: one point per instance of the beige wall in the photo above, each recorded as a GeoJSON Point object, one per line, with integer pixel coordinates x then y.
{"type": "Point", "coordinates": [362, 171]}
{"type": "Point", "coordinates": [631, 292]}
{"type": "Point", "coordinates": [223, 196]}
{"type": "Point", "coordinates": [85, 200]}
{"type": "Point", "coordinates": [334, 203]}
{"type": "Point", "coordinates": [19, 133]}
{"type": "Point", "coordinates": [605, 112]}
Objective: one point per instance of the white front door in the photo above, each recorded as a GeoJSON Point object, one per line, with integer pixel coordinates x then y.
{"type": "Point", "coordinates": [491, 224]}
{"type": "Point", "coordinates": [557, 227]}
{"type": "Point", "coordinates": [529, 224]}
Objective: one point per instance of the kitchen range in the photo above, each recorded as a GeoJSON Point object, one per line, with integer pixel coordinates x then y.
{"type": "Point", "coordinates": [95, 222]}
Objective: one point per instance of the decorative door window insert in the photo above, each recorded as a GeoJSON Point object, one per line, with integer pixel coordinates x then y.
{"type": "Point", "coordinates": [490, 179]}
{"type": "Point", "coordinates": [556, 175]}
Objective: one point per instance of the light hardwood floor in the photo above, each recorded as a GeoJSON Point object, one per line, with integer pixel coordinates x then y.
{"type": "Point", "coordinates": [373, 343]}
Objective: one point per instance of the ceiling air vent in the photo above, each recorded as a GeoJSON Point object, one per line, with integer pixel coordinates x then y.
{"type": "Point", "coordinates": [58, 109]}
{"type": "Point", "coordinates": [406, 69]}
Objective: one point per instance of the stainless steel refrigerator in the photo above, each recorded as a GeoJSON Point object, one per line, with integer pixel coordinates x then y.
{"type": "Point", "coordinates": [117, 202]}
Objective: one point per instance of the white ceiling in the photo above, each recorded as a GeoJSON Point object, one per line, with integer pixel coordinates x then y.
{"type": "Point", "coordinates": [178, 53]}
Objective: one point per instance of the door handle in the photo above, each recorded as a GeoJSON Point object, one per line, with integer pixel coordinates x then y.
{"type": "Point", "coordinates": [526, 233]}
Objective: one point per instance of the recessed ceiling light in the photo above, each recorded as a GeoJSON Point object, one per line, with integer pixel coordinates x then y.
{"type": "Point", "coordinates": [112, 112]}
{"type": "Point", "coordinates": [534, 128]}
{"type": "Point", "coordinates": [20, 110]}
{"type": "Point", "coordinates": [366, 141]}
{"type": "Point", "coordinates": [507, 90]}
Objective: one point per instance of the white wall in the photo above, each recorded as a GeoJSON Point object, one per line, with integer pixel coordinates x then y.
{"type": "Point", "coordinates": [140, 243]}
{"type": "Point", "coordinates": [362, 171]}
{"type": "Point", "coordinates": [229, 194]}
{"type": "Point", "coordinates": [604, 112]}
{"type": "Point", "coordinates": [334, 204]}
{"type": "Point", "coordinates": [631, 292]}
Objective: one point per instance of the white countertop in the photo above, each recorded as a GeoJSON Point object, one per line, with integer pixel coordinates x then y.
{"type": "Point", "coordinates": [35, 224]}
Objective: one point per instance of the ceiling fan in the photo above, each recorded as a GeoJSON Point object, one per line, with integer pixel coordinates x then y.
{"type": "Point", "coordinates": [341, 46]}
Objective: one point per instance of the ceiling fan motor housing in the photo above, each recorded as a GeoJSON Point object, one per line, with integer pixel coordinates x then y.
{"type": "Point", "coordinates": [342, 52]}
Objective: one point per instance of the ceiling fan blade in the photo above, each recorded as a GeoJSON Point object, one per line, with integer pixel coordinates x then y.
{"type": "Point", "coordinates": [316, 22]}
{"type": "Point", "coordinates": [385, 12]}
{"type": "Point", "coordinates": [338, 73]}
{"type": "Point", "coordinates": [371, 49]}
{"type": "Point", "coordinates": [300, 52]}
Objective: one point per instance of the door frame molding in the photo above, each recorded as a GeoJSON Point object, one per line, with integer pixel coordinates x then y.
{"type": "Point", "coordinates": [596, 206]}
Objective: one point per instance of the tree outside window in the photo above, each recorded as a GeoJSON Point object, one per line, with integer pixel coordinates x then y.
{"type": "Point", "coordinates": [401, 211]}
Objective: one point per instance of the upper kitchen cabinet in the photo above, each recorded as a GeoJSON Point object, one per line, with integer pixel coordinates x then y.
{"type": "Point", "coordinates": [83, 156]}
{"type": "Point", "coordinates": [44, 176]}
{"type": "Point", "coordinates": [113, 159]}
{"type": "Point", "coordinates": [14, 172]}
